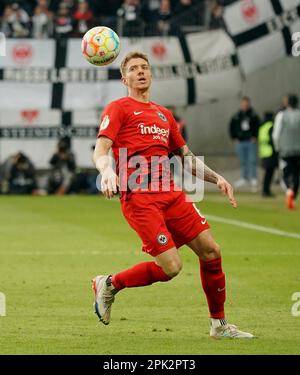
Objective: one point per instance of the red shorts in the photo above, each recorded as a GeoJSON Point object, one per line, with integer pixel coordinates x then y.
{"type": "Point", "coordinates": [163, 220]}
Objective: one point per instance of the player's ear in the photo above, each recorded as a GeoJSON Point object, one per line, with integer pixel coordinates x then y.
{"type": "Point", "coordinates": [124, 80]}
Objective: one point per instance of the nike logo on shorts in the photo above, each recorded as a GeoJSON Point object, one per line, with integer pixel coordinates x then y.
{"type": "Point", "coordinates": [221, 290]}
{"type": "Point", "coordinates": [137, 113]}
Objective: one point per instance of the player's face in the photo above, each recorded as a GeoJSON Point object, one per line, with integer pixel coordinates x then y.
{"type": "Point", "coordinates": [138, 74]}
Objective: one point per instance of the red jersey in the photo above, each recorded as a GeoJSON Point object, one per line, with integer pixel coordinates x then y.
{"type": "Point", "coordinates": [145, 129]}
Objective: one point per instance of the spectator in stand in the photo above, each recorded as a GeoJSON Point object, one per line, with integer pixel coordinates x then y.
{"type": "Point", "coordinates": [84, 19]}
{"type": "Point", "coordinates": [62, 175]}
{"type": "Point", "coordinates": [21, 176]}
{"type": "Point", "coordinates": [29, 5]}
{"type": "Point", "coordinates": [63, 24]}
{"type": "Point", "coordinates": [71, 4]}
{"type": "Point", "coordinates": [42, 20]}
{"type": "Point", "coordinates": [164, 17]}
{"type": "Point", "coordinates": [105, 12]}
{"type": "Point", "coordinates": [2, 7]}
{"type": "Point", "coordinates": [216, 15]}
{"type": "Point", "coordinates": [130, 22]}
{"type": "Point", "coordinates": [54, 5]}
{"type": "Point", "coordinates": [182, 6]}
{"type": "Point", "coordinates": [243, 131]}
{"type": "Point", "coordinates": [5, 28]}
{"type": "Point", "coordinates": [184, 14]}
{"type": "Point", "coordinates": [149, 13]}
{"type": "Point", "coordinates": [16, 22]}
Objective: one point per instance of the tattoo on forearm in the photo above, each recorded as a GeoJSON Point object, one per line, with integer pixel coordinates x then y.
{"type": "Point", "coordinates": [208, 174]}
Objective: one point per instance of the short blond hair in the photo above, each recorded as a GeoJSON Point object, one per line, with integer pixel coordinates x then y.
{"type": "Point", "coordinates": [129, 56]}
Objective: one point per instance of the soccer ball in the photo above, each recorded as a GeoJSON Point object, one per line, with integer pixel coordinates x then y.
{"type": "Point", "coordinates": [100, 45]}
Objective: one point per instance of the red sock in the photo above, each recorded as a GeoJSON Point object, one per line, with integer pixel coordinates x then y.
{"type": "Point", "coordinates": [213, 283]}
{"type": "Point", "coordinates": [141, 274]}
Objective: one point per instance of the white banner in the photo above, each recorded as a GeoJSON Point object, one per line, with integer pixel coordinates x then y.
{"type": "Point", "coordinates": [32, 117]}
{"type": "Point", "coordinates": [261, 52]}
{"type": "Point", "coordinates": [218, 75]}
{"type": "Point", "coordinates": [86, 117]}
{"type": "Point", "coordinates": [33, 132]}
{"type": "Point", "coordinates": [83, 149]}
{"type": "Point", "coordinates": [289, 4]}
{"type": "Point", "coordinates": [25, 96]}
{"type": "Point", "coordinates": [161, 52]}
{"type": "Point", "coordinates": [91, 95]}
{"type": "Point", "coordinates": [39, 151]}
{"type": "Point", "coordinates": [21, 53]}
{"type": "Point", "coordinates": [185, 71]}
{"type": "Point", "coordinates": [245, 14]}
{"type": "Point", "coordinates": [262, 30]}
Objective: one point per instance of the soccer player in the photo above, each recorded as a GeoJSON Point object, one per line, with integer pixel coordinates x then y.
{"type": "Point", "coordinates": [165, 221]}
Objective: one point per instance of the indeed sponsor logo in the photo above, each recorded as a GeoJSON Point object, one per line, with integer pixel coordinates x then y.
{"type": "Point", "coordinates": [153, 129]}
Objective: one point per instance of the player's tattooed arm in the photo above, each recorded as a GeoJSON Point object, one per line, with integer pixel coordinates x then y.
{"type": "Point", "coordinates": [208, 174]}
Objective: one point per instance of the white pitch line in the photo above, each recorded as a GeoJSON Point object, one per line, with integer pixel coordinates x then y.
{"type": "Point", "coordinates": [259, 228]}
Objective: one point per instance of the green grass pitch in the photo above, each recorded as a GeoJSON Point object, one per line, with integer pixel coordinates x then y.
{"type": "Point", "coordinates": [51, 247]}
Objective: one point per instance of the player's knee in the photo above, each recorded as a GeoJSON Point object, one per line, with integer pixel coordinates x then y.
{"type": "Point", "coordinates": [173, 268]}
{"type": "Point", "coordinates": [212, 251]}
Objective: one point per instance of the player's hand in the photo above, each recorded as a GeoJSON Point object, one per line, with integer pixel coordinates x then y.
{"type": "Point", "coordinates": [109, 182]}
{"type": "Point", "coordinates": [226, 189]}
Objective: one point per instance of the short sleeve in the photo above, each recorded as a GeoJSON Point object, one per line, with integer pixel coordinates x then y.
{"type": "Point", "coordinates": [111, 121]}
{"type": "Point", "coordinates": [176, 140]}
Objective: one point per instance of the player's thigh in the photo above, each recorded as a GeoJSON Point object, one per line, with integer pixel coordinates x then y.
{"type": "Point", "coordinates": [184, 220]}
{"type": "Point", "coordinates": [205, 246]}
{"type": "Point", "coordinates": [144, 216]}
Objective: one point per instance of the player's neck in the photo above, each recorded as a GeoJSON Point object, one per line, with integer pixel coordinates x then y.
{"type": "Point", "coordinates": [140, 96]}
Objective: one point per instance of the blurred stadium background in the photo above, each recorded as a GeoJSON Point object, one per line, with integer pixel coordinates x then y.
{"type": "Point", "coordinates": [206, 55]}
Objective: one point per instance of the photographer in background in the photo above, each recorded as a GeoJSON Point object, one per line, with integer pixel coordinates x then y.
{"type": "Point", "coordinates": [63, 164]}
{"type": "Point", "coordinates": [21, 175]}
